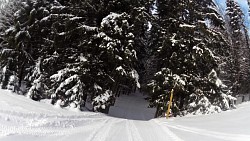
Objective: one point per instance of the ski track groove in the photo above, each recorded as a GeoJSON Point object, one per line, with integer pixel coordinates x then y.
{"type": "Point", "coordinates": [7, 131]}
{"type": "Point", "coordinates": [42, 122]}
{"type": "Point", "coordinates": [93, 136]}
{"type": "Point", "coordinates": [42, 131]}
{"type": "Point", "coordinates": [130, 138]}
{"type": "Point", "coordinates": [41, 115]}
{"type": "Point", "coordinates": [218, 135]}
{"type": "Point", "coordinates": [103, 132]}
{"type": "Point", "coordinates": [133, 131]}
{"type": "Point", "coordinates": [168, 132]}
{"type": "Point", "coordinates": [43, 125]}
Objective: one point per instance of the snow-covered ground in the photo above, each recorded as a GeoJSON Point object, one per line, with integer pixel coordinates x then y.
{"type": "Point", "coordinates": [22, 119]}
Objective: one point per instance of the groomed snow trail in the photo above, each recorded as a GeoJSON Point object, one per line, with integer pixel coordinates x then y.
{"type": "Point", "coordinates": [138, 122]}
{"type": "Point", "coordinates": [231, 125]}
{"type": "Point", "coordinates": [129, 120]}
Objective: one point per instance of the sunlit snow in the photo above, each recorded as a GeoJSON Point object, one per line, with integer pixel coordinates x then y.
{"type": "Point", "coordinates": [129, 120]}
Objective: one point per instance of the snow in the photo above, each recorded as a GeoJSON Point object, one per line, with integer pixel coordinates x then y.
{"type": "Point", "coordinates": [226, 126]}
{"type": "Point", "coordinates": [187, 25]}
{"type": "Point", "coordinates": [109, 18]}
{"type": "Point", "coordinates": [75, 18]}
{"type": "Point", "coordinates": [67, 82]}
{"type": "Point", "coordinates": [129, 120]}
{"type": "Point", "coordinates": [88, 28]}
{"type": "Point", "coordinates": [101, 100]}
{"type": "Point", "coordinates": [198, 50]}
{"type": "Point", "coordinates": [172, 39]}
{"type": "Point", "coordinates": [10, 29]}
{"type": "Point", "coordinates": [179, 80]}
{"type": "Point", "coordinates": [82, 58]}
{"type": "Point", "coordinates": [121, 70]}
{"type": "Point", "coordinates": [136, 76]}
{"type": "Point", "coordinates": [97, 87]}
{"type": "Point", "coordinates": [218, 82]}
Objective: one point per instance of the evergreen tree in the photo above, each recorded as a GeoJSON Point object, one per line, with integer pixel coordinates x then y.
{"type": "Point", "coordinates": [239, 48]}
{"type": "Point", "coordinates": [67, 48]}
{"type": "Point", "coordinates": [188, 58]}
{"type": "Point", "coordinates": [72, 51]}
{"type": "Point", "coordinates": [12, 43]}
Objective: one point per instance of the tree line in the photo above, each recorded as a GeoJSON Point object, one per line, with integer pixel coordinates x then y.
{"type": "Point", "coordinates": [74, 52]}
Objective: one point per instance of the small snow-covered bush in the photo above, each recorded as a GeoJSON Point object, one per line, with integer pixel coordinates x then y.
{"type": "Point", "coordinates": [37, 89]}
{"type": "Point", "coordinates": [192, 94]}
{"type": "Point", "coordinates": [217, 99]}
{"type": "Point", "coordinates": [13, 83]}
{"type": "Point", "coordinates": [103, 101]}
{"type": "Point", "coordinates": [68, 89]}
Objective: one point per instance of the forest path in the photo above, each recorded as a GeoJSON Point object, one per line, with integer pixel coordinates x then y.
{"type": "Point", "coordinates": [129, 120]}
{"type": "Point", "coordinates": [137, 121]}
{"type": "Point", "coordinates": [133, 106]}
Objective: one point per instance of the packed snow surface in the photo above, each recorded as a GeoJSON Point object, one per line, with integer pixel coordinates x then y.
{"type": "Point", "coordinates": [22, 119]}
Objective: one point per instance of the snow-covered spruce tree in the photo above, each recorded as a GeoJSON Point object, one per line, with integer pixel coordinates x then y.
{"type": "Point", "coordinates": [115, 54]}
{"type": "Point", "coordinates": [70, 90]}
{"type": "Point", "coordinates": [35, 18]}
{"type": "Point", "coordinates": [12, 38]}
{"type": "Point", "coordinates": [239, 48]}
{"type": "Point", "coordinates": [154, 39]}
{"type": "Point", "coordinates": [188, 59]}
{"type": "Point", "coordinates": [37, 89]}
{"type": "Point", "coordinates": [248, 3]}
{"type": "Point", "coordinates": [100, 55]}
{"type": "Point", "coordinates": [23, 40]}
{"type": "Point", "coordinates": [139, 17]}
{"type": "Point", "coordinates": [57, 40]}
{"type": "Point", "coordinates": [65, 55]}
{"type": "Point", "coordinates": [7, 10]}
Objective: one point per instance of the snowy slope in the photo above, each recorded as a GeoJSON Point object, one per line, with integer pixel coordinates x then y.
{"type": "Point", "coordinates": [227, 126]}
{"type": "Point", "coordinates": [129, 120]}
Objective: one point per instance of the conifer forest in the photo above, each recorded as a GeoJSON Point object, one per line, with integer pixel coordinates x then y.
{"type": "Point", "coordinates": [89, 52]}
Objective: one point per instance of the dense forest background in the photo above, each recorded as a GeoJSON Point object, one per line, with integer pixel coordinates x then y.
{"type": "Point", "coordinates": [90, 51]}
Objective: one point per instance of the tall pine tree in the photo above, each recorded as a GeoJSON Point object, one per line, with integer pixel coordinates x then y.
{"type": "Point", "coordinates": [239, 48]}
{"type": "Point", "coordinates": [72, 50]}
{"type": "Point", "coordinates": [189, 61]}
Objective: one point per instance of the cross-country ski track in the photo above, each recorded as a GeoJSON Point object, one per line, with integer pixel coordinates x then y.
{"type": "Point", "coordinates": [22, 119]}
